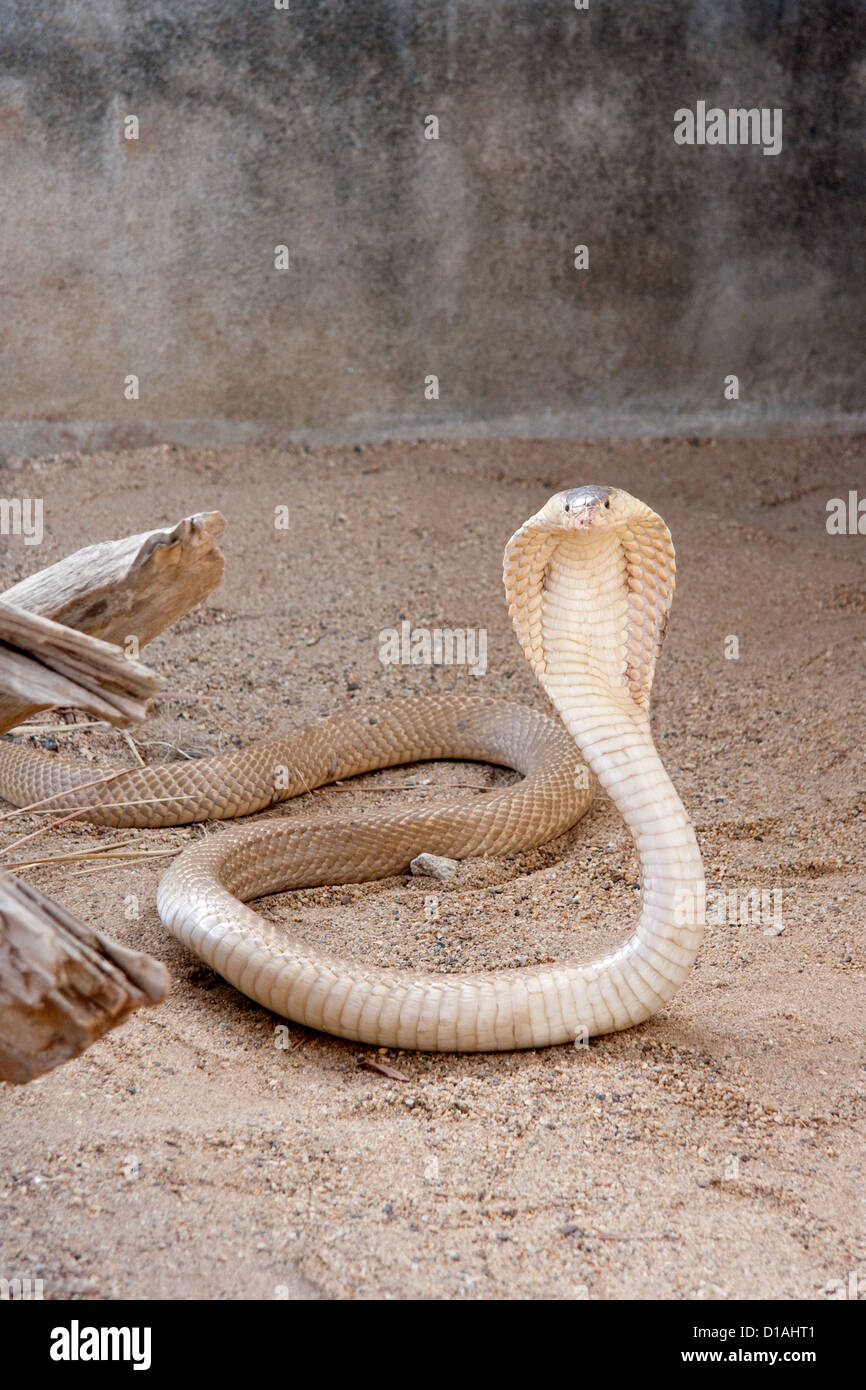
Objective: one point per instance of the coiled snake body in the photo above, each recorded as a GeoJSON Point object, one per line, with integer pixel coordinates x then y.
{"type": "Point", "coordinates": [589, 581]}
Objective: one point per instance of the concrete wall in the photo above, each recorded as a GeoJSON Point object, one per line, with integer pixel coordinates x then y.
{"type": "Point", "coordinates": [411, 257]}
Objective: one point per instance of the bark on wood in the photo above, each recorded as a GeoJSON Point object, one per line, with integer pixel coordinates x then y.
{"type": "Point", "coordinates": [62, 985]}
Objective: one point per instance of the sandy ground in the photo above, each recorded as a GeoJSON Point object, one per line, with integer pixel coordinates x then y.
{"type": "Point", "coordinates": [714, 1152]}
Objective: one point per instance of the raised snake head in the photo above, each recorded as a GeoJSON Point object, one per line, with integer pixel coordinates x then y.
{"type": "Point", "coordinates": [631, 582]}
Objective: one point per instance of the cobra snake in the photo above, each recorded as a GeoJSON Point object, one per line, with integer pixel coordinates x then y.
{"type": "Point", "coordinates": [589, 581]}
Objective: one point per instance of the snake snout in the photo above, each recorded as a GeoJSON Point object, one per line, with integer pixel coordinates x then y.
{"type": "Point", "coordinates": [585, 506]}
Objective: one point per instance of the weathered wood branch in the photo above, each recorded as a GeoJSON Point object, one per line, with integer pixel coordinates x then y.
{"type": "Point", "coordinates": [51, 664]}
{"type": "Point", "coordinates": [62, 985]}
{"type": "Point", "coordinates": [117, 590]}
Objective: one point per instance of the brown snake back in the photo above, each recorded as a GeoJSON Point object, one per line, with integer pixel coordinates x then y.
{"type": "Point", "coordinates": [555, 791]}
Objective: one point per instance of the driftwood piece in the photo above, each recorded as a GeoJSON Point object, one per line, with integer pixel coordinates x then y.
{"type": "Point", "coordinates": [116, 590]}
{"type": "Point", "coordinates": [46, 662]}
{"type": "Point", "coordinates": [62, 985]}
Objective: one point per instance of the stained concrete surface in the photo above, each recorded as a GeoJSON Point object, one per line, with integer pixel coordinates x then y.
{"type": "Point", "coordinates": [410, 257]}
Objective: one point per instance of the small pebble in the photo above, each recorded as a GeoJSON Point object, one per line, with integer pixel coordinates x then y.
{"type": "Point", "coordinates": [433, 866]}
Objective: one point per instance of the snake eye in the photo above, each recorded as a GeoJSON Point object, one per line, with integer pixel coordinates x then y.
{"type": "Point", "coordinates": [566, 506]}
{"type": "Point", "coordinates": [607, 502]}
